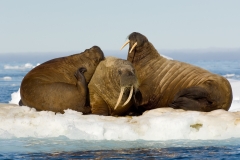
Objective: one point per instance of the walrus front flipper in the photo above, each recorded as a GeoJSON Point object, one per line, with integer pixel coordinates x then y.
{"type": "Point", "coordinates": [193, 98]}
{"type": "Point", "coordinates": [82, 89]}
{"type": "Point", "coordinates": [20, 103]}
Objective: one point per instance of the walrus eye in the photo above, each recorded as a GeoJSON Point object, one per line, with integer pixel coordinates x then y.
{"type": "Point", "coordinates": [120, 72]}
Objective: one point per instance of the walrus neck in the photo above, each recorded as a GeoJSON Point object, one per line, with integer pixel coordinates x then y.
{"type": "Point", "coordinates": [145, 53]}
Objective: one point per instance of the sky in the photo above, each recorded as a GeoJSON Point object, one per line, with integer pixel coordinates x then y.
{"type": "Point", "coordinates": [75, 25]}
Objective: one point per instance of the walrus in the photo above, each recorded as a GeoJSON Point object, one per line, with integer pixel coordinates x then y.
{"type": "Point", "coordinates": [61, 83]}
{"type": "Point", "coordinates": [112, 87]}
{"type": "Point", "coordinates": [170, 83]}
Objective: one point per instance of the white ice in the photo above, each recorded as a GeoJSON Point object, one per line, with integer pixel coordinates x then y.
{"type": "Point", "coordinates": [159, 124]}
{"type": "Point", "coordinates": [7, 78]}
{"type": "Point", "coordinates": [21, 67]}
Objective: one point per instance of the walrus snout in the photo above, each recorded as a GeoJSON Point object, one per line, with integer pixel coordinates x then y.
{"type": "Point", "coordinates": [128, 73]}
{"type": "Point", "coordinates": [128, 80]}
{"type": "Point", "coordinates": [127, 77]}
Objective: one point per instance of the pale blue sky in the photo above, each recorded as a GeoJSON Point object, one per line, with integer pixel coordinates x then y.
{"type": "Point", "coordinates": [74, 25]}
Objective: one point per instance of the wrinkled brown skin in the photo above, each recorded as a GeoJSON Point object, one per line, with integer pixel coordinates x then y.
{"type": "Point", "coordinates": [170, 83]}
{"type": "Point", "coordinates": [104, 87]}
{"type": "Point", "coordinates": [59, 84]}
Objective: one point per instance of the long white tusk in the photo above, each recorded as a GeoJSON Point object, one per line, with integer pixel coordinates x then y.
{"type": "Point", "coordinates": [129, 97]}
{"type": "Point", "coordinates": [119, 98]}
{"type": "Point", "coordinates": [135, 44]}
{"type": "Point", "coordinates": [125, 44]}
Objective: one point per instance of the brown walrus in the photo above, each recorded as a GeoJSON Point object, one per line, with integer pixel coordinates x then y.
{"type": "Point", "coordinates": [112, 87]}
{"type": "Point", "coordinates": [59, 84]}
{"type": "Point", "coordinates": [170, 83]}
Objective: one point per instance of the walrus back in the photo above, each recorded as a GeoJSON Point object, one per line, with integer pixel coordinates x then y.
{"type": "Point", "coordinates": [173, 76]}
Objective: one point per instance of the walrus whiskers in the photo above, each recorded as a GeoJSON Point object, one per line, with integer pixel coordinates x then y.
{"type": "Point", "coordinates": [129, 97]}
{"type": "Point", "coordinates": [120, 97]}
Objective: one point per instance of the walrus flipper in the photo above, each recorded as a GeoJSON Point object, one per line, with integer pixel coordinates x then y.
{"type": "Point", "coordinates": [81, 81]}
{"type": "Point", "coordinates": [192, 98]}
{"type": "Point", "coordinates": [20, 103]}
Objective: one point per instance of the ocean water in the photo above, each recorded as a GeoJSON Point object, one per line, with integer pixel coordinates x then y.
{"type": "Point", "coordinates": [28, 134]}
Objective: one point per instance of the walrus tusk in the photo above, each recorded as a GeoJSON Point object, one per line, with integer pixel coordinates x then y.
{"type": "Point", "coordinates": [125, 44]}
{"type": "Point", "coordinates": [119, 98]}
{"type": "Point", "coordinates": [129, 97]}
{"type": "Point", "coordinates": [135, 44]}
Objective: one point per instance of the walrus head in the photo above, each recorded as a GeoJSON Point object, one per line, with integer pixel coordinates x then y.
{"type": "Point", "coordinates": [112, 87]}
{"type": "Point", "coordinates": [128, 83]}
{"type": "Point", "coordinates": [93, 57]}
{"type": "Point", "coordinates": [137, 43]}
{"type": "Point", "coordinates": [94, 53]}
{"type": "Point", "coordinates": [137, 40]}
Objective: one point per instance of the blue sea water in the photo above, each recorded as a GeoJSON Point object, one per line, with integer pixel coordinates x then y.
{"type": "Point", "coordinates": [9, 86]}
{"type": "Point", "coordinates": [11, 74]}
{"type": "Point", "coordinates": [62, 148]}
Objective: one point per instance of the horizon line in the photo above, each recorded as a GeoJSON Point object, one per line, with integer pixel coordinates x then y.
{"type": "Point", "coordinates": [210, 49]}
